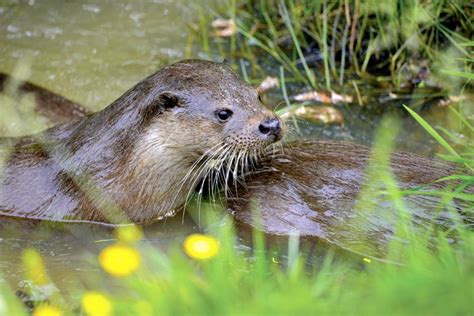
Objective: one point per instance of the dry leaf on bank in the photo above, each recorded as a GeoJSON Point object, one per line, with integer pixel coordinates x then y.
{"type": "Point", "coordinates": [224, 28]}
{"type": "Point", "coordinates": [317, 114]}
{"type": "Point", "coordinates": [267, 84]}
{"type": "Point", "coordinates": [324, 97]}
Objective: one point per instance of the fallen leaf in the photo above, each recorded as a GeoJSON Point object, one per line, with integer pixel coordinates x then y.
{"type": "Point", "coordinates": [317, 114]}
{"type": "Point", "coordinates": [224, 28]}
{"type": "Point", "coordinates": [267, 84]}
{"type": "Point", "coordinates": [323, 97]}
{"type": "Point", "coordinates": [450, 99]}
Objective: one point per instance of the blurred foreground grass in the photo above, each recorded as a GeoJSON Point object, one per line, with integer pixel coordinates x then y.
{"type": "Point", "coordinates": [428, 274]}
{"type": "Point", "coordinates": [428, 283]}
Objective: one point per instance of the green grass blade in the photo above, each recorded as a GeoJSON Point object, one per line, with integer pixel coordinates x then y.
{"type": "Point", "coordinates": [462, 74]}
{"type": "Point", "coordinates": [287, 21]}
{"type": "Point", "coordinates": [432, 131]}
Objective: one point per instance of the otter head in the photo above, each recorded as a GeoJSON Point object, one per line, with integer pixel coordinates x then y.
{"type": "Point", "coordinates": [206, 106]}
{"type": "Point", "coordinates": [198, 119]}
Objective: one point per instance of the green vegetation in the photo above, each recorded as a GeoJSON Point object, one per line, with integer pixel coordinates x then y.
{"type": "Point", "coordinates": [404, 44]}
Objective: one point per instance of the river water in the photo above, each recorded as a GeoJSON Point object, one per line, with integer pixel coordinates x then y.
{"type": "Point", "coordinates": [93, 51]}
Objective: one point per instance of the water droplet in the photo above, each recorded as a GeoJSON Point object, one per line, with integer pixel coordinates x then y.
{"type": "Point", "coordinates": [91, 8]}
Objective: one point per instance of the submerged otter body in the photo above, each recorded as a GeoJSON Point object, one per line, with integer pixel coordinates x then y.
{"type": "Point", "coordinates": [55, 108]}
{"type": "Point", "coordinates": [138, 159]}
{"type": "Point", "coordinates": [313, 190]}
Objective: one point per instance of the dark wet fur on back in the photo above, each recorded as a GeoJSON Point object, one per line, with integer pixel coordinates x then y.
{"type": "Point", "coordinates": [312, 189]}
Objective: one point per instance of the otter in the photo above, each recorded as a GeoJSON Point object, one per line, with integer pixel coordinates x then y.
{"type": "Point", "coordinates": [140, 157]}
{"type": "Point", "coordinates": [55, 108]}
{"type": "Point", "coordinates": [314, 190]}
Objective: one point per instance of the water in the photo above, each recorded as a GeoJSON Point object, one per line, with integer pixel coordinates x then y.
{"type": "Point", "coordinates": [70, 250]}
{"type": "Point", "coordinates": [91, 52]}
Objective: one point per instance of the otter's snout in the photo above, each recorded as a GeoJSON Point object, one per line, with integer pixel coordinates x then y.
{"type": "Point", "coordinates": [270, 127]}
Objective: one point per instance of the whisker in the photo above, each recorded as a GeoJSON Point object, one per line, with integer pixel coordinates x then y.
{"type": "Point", "coordinates": [208, 168]}
{"type": "Point", "coordinates": [229, 167]}
{"type": "Point", "coordinates": [236, 168]}
{"type": "Point", "coordinates": [217, 171]}
{"type": "Point", "coordinates": [190, 172]}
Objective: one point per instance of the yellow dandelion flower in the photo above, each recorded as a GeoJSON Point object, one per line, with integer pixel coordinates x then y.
{"type": "Point", "coordinates": [129, 233]}
{"type": "Point", "coordinates": [96, 304]}
{"type": "Point", "coordinates": [367, 260]}
{"type": "Point", "coordinates": [34, 266]}
{"type": "Point", "coordinates": [119, 259]}
{"type": "Point", "coordinates": [201, 247]}
{"type": "Point", "coordinates": [46, 310]}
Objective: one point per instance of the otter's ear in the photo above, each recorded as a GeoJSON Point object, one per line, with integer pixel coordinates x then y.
{"type": "Point", "coordinates": [166, 100]}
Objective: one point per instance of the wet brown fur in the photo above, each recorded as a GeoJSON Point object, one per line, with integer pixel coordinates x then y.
{"type": "Point", "coordinates": [127, 162]}
{"type": "Point", "coordinates": [313, 188]}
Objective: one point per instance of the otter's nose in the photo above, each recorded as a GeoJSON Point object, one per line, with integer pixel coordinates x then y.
{"type": "Point", "coordinates": [270, 127]}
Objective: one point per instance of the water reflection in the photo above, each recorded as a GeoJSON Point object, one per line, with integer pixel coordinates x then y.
{"type": "Point", "coordinates": [70, 250]}
{"type": "Point", "coordinates": [92, 51]}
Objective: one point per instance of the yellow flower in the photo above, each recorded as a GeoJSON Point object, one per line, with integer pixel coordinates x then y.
{"type": "Point", "coordinates": [46, 310]}
{"type": "Point", "coordinates": [34, 266]}
{"type": "Point", "coordinates": [129, 233]}
{"type": "Point", "coordinates": [96, 304]}
{"type": "Point", "coordinates": [201, 247]}
{"type": "Point", "coordinates": [119, 260]}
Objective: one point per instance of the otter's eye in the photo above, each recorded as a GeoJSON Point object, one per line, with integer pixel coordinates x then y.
{"type": "Point", "coordinates": [224, 115]}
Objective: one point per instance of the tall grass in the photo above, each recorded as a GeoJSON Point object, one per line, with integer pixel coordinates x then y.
{"type": "Point", "coordinates": [392, 40]}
